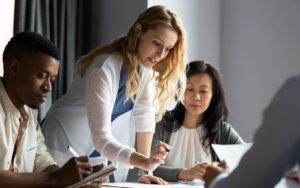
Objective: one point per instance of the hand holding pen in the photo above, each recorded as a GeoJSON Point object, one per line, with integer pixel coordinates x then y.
{"type": "Point", "coordinates": [73, 151]}
{"type": "Point", "coordinates": [74, 170]}
{"type": "Point", "coordinates": [158, 156]}
{"type": "Point", "coordinates": [75, 154]}
{"type": "Point", "coordinates": [97, 168]}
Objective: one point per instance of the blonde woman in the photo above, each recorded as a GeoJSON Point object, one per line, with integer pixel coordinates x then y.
{"type": "Point", "coordinates": [111, 100]}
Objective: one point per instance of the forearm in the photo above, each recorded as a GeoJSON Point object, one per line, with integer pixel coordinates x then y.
{"type": "Point", "coordinates": [167, 173]}
{"type": "Point", "coordinates": [30, 180]}
{"type": "Point", "coordinates": [144, 140]}
{"type": "Point", "coordinates": [138, 160]}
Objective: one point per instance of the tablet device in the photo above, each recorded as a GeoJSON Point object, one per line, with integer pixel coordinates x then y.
{"type": "Point", "coordinates": [104, 172]}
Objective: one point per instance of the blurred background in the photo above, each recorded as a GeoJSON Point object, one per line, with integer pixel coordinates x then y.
{"type": "Point", "coordinates": [255, 44]}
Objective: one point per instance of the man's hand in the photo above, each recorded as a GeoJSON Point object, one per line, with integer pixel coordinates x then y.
{"type": "Point", "coordinates": [293, 175]}
{"type": "Point", "coordinates": [148, 179]}
{"type": "Point", "coordinates": [72, 172]}
{"type": "Point", "coordinates": [214, 170]}
{"type": "Point", "coordinates": [157, 156]}
{"type": "Point", "coordinates": [191, 174]}
{"type": "Point", "coordinates": [97, 182]}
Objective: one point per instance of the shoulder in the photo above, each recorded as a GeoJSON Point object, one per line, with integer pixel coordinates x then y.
{"type": "Point", "coordinates": [107, 58]}
{"type": "Point", "coordinates": [224, 126]}
{"type": "Point", "coordinates": [284, 107]}
{"type": "Point", "coordinates": [167, 124]}
{"type": "Point", "coordinates": [106, 62]}
{"type": "Point", "coordinates": [298, 79]}
{"type": "Point", "coordinates": [113, 59]}
{"type": "Point", "coordinates": [160, 125]}
{"type": "Point", "coordinates": [288, 94]}
{"type": "Point", "coordinates": [161, 131]}
{"type": "Point", "coordinates": [228, 135]}
{"type": "Point", "coordinates": [166, 120]}
{"type": "Point", "coordinates": [227, 128]}
{"type": "Point", "coordinates": [106, 67]}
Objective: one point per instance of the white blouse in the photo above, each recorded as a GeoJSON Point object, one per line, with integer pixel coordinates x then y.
{"type": "Point", "coordinates": [82, 117]}
{"type": "Point", "coordinates": [187, 148]}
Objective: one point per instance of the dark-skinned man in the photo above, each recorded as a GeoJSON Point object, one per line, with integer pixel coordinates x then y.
{"type": "Point", "coordinates": [31, 63]}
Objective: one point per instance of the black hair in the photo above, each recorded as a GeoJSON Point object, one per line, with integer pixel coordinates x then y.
{"type": "Point", "coordinates": [27, 41]}
{"type": "Point", "coordinates": [217, 112]}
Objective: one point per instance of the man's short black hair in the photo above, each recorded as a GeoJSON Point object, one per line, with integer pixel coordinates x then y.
{"type": "Point", "coordinates": [29, 42]}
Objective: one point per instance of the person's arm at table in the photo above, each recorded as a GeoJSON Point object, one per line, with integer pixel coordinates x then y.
{"type": "Point", "coordinates": [73, 171]}
{"type": "Point", "coordinates": [144, 140]}
{"type": "Point", "coordinates": [144, 117]}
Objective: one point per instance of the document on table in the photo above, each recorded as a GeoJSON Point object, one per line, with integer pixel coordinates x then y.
{"type": "Point", "coordinates": [234, 153]}
{"type": "Point", "coordinates": [142, 185]}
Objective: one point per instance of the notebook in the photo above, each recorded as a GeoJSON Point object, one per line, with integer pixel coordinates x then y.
{"type": "Point", "coordinates": [104, 172]}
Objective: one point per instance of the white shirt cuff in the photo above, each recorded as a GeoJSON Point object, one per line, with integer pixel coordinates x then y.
{"type": "Point", "coordinates": [217, 179]}
{"type": "Point", "coordinates": [124, 157]}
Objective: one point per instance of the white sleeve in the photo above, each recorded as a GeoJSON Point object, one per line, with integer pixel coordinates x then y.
{"type": "Point", "coordinates": [144, 112]}
{"type": "Point", "coordinates": [99, 109]}
{"type": "Point", "coordinates": [276, 144]}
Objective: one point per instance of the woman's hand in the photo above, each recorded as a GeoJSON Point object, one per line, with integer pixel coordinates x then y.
{"type": "Point", "coordinates": [157, 156]}
{"type": "Point", "coordinates": [148, 179]}
{"type": "Point", "coordinates": [191, 174]}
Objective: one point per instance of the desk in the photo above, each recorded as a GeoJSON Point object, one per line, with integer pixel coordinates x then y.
{"type": "Point", "coordinates": [142, 185]}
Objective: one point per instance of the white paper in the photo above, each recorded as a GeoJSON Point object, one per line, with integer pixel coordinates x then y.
{"type": "Point", "coordinates": [142, 185]}
{"type": "Point", "coordinates": [231, 153]}
{"type": "Point", "coordinates": [234, 153]}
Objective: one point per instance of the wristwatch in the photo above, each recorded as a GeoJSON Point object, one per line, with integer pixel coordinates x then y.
{"type": "Point", "coordinates": [145, 172]}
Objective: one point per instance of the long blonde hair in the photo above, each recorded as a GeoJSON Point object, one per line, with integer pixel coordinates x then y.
{"type": "Point", "coordinates": [169, 73]}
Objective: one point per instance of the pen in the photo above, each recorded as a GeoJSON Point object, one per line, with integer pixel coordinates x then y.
{"type": "Point", "coordinates": [167, 149]}
{"type": "Point", "coordinates": [196, 162]}
{"type": "Point", "coordinates": [72, 151]}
